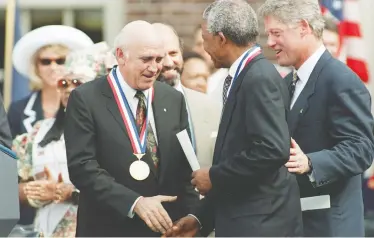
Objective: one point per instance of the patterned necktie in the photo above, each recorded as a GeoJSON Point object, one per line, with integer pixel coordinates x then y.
{"type": "Point", "coordinates": [226, 86]}
{"type": "Point", "coordinates": [140, 117]}
{"type": "Point", "coordinates": [140, 110]}
{"type": "Point", "coordinates": [295, 79]}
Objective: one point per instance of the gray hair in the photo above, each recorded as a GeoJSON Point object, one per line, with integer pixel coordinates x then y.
{"type": "Point", "coordinates": [121, 42]}
{"type": "Point", "coordinates": [234, 18]}
{"type": "Point", "coordinates": [294, 11]}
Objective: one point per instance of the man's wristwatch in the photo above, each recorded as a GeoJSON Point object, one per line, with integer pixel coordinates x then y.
{"type": "Point", "coordinates": [75, 197]}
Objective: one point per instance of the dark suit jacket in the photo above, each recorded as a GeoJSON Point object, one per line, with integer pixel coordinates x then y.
{"type": "Point", "coordinates": [99, 155]}
{"type": "Point", "coordinates": [332, 123]}
{"type": "Point", "coordinates": [5, 136]}
{"type": "Point", "coordinates": [23, 114]}
{"type": "Point", "coordinates": [253, 194]}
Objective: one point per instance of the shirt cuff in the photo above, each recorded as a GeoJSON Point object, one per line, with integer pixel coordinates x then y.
{"type": "Point", "coordinates": [131, 213]}
{"type": "Point", "coordinates": [311, 177]}
{"type": "Point", "coordinates": [196, 220]}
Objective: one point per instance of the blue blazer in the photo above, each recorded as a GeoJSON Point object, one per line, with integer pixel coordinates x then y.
{"type": "Point", "coordinates": [23, 114]}
{"type": "Point", "coordinates": [331, 121]}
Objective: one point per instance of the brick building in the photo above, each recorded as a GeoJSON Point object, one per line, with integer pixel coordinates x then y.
{"type": "Point", "coordinates": [102, 19]}
{"type": "Point", "coordinates": [184, 15]}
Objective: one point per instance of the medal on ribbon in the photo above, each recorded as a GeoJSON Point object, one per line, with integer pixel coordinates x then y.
{"type": "Point", "coordinates": [139, 169]}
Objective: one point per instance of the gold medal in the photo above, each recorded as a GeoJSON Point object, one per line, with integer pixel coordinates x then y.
{"type": "Point", "coordinates": [139, 170]}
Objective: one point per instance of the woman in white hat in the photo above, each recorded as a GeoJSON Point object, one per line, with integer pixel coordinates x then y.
{"type": "Point", "coordinates": [40, 56]}
{"type": "Point", "coordinates": [42, 164]}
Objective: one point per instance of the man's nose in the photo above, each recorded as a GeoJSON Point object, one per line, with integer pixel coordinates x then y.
{"type": "Point", "coordinates": [168, 62]}
{"type": "Point", "coordinates": [270, 42]}
{"type": "Point", "coordinates": [153, 67]}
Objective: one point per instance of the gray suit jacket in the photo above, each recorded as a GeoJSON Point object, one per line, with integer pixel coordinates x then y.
{"type": "Point", "coordinates": [332, 123]}
{"type": "Point", "coordinates": [205, 115]}
{"type": "Point", "coordinates": [5, 136]}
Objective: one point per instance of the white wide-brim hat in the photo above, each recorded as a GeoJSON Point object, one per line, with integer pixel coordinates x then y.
{"type": "Point", "coordinates": [32, 41]}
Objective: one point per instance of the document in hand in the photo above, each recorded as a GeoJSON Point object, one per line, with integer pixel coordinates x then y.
{"type": "Point", "coordinates": [188, 150]}
{"type": "Point", "coordinates": [9, 199]}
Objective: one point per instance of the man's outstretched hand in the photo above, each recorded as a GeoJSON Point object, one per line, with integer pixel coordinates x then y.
{"type": "Point", "coordinates": [187, 226]}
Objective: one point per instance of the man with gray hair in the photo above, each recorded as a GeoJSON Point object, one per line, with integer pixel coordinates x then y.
{"type": "Point", "coordinates": [248, 190]}
{"type": "Point", "coordinates": [122, 150]}
{"type": "Point", "coordinates": [329, 120]}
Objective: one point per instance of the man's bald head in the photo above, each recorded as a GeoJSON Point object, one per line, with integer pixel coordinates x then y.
{"type": "Point", "coordinates": [137, 33]}
{"type": "Point", "coordinates": [167, 31]}
{"type": "Point", "coordinates": [139, 53]}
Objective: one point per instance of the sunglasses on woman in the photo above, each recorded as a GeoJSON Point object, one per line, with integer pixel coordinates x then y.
{"type": "Point", "coordinates": [46, 61]}
{"type": "Point", "coordinates": [65, 83]}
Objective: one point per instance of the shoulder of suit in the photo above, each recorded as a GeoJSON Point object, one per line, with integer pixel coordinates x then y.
{"type": "Point", "coordinates": [166, 89]}
{"type": "Point", "coordinates": [195, 94]}
{"type": "Point", "coordinates": [262, 70]}
{"type": "Point", "coordinates": [339, 75]}
{"type": "Point", "coordinates": [20, 105]}
{"type": "Point", "coordinates": [200, 99]}
{"type": "Point", "coordinates": [96, 84]}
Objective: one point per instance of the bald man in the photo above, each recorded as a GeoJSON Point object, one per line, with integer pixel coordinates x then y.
{"type": "Point", "coordinates": [123, 153]}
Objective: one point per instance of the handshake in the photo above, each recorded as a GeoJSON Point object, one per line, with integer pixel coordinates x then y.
{"type": "Point", "coordinates": [151, 211]}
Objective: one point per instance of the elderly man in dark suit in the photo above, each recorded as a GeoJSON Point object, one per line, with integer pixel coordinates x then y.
{"type": "Point", "coordinates": [122, 150]}
{"type": "Point", "coordinates": [329, 120]}
{"type": "Point", "coordinates": [249, 191]}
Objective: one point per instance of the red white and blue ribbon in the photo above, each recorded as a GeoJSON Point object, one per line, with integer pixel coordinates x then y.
{"type": "Point", "coordinates": [138, 141]}
{"type": "Point", "coordinates": [249, 55]}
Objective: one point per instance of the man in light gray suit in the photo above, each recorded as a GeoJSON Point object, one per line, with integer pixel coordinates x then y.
{"type": "Point", "coordinates": [204, 113]}
{"type": "Point", "coordinates": [329, 120]}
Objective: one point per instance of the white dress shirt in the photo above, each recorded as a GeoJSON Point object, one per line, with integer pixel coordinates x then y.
{"type": "Point", "coordinates": [178, 87]}
{"type": "Point", "coordinates": [234, 67]}
{"type": "Point", "coordinates": [305, 71]}
{"type": "Point", "coordinates": [133, 103]}
{"type": "Point", "coordinates": [215, 84]}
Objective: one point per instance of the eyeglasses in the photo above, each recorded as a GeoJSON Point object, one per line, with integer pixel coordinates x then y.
{"type": "Point", "coordinates": [65, 83]}
{"type": "Point", "coordinates": [46, 61]}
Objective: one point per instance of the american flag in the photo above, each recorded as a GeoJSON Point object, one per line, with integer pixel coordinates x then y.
{"type": "Point", "coordinates": [347, 15]}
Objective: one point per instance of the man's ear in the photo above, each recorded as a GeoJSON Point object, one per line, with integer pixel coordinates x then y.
{"type": "Point", "coordinates": [222, 38]}
{"type": "Point", "coordinates": [305, 28]}
{"type": "Point", "coordinates": [120, 56]}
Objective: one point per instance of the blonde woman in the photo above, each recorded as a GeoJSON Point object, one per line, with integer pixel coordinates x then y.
{"type": "Point", "coordinates": [42, 166]}
{"type": "Point", "coordinates": [40, 56]}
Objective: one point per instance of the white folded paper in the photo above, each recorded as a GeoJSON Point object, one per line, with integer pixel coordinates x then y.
{"type": "Point", "coordinates": [214, 134]}
{"type": "Point", "coordinates": [188, 150]}
{"type": "Point", "coordinates": [315, 203]}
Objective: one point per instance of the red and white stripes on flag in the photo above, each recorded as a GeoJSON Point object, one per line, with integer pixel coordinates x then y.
{"type": "Point", "coordinates": [347, 14]}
